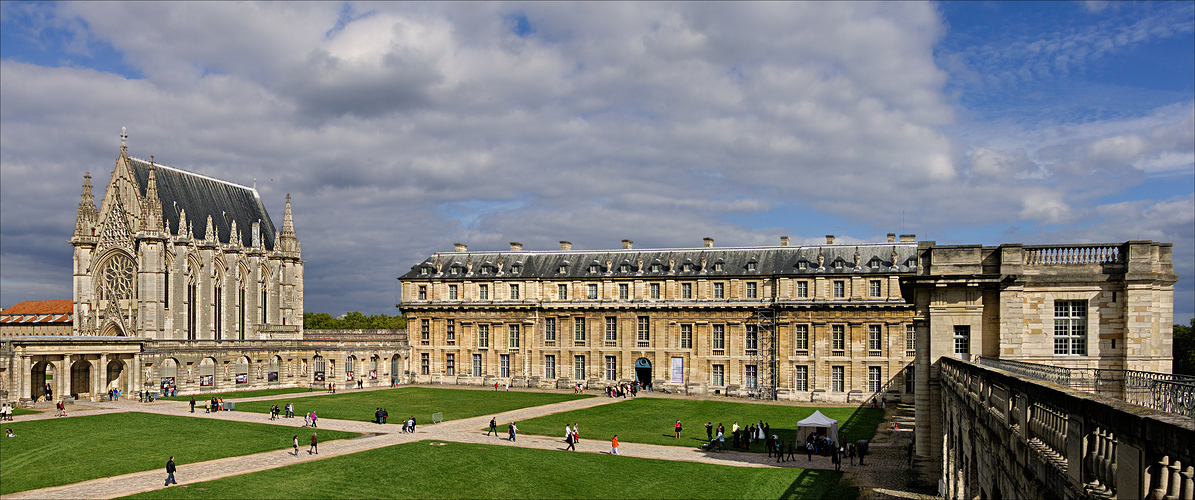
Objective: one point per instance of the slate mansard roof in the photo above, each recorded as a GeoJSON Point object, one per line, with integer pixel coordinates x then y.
{"type": "Point", "coordinates": [202, 196]}
{"type": "Point", "coordinates": [874, 258]}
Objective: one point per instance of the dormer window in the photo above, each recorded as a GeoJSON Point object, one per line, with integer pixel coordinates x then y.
{"type": "Point", "coordinates": [485, 270]}
{"type": "Point", "coordinates": [516, 268]}
{"type": "Point", "coordinates": [593, 269]}
{"type": "Point", "coordinates": [875, 263]}
{"type": "Point", "coordinates": [688, 267]}
{"type": "Point", "coordinates": [718, 267]}
{"type": "Point", "coordinates": [625, 268]}
{"type": "Point", "coordinates": [655, 268]}
{"type": "Point", "coordinates": [839, 264]}
{"type": "Point", "coordinates": [455, 270]}
{"type": "Point", "coordinates": [751, 266]}
{"type": "Point", "coordinates": [562, 269]}
{"type": "Point", "coordinates": [423, 271]}
{"type": "Point", "coordinates": [803, 265]}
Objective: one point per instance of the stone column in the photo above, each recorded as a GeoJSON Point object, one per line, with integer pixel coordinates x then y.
{"type": "Point", "coordinates": [26, 383]}
{"type": "Point", "coordinates": [135, 367]}
{"type": "Point", "coordinates": [102, 376]}
{"type": "Point", "coordinates": [65, 387]}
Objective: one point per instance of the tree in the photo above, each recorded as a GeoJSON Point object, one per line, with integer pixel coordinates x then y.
{"type": "Point", "coordinates": [1184, 349]}
{"type": "Point", "coordinates": [353, 321]}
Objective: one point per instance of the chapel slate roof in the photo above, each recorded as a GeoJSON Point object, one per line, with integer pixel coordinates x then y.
{"type": "Point", "coordinates": [202, 196]}
{"type": "Point", "coordinates": [768, 261]}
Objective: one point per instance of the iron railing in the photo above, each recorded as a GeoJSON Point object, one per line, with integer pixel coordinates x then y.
{"type": "Point", "coordinates": [1160, 391]}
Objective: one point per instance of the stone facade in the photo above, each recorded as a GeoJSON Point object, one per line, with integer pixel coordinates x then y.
{"type": "Point", "coordinates": [822, 323]}
{"type": "Point", "coordinates": [156, 304]}
{"type": "Point", "coordinates": [1076, 306]}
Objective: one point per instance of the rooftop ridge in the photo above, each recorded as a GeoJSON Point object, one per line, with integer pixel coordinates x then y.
{"type": "Point", "coordinates": [680, 249]}
{"type": "Point", "coordinates": [201, 176]}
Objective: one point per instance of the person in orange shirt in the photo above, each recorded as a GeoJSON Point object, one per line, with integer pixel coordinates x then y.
{"type": "Point", "coordinates": [614, 445]}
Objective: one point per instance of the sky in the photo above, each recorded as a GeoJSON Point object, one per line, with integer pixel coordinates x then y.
{"type": "Point", "coordinates": [402, 128]}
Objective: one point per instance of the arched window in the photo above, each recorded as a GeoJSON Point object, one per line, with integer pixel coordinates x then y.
{"type": "Point", "coordinates": [242, 375]}
{"type": "Point", "coordinates": [373, 368]}
{"type": "Point", "coordinates": [207, 373]}
{"type": "Point", "coordinates": [192, 299]}
{"type": "Point", "coordinates": [394, 368]}
{"type": "Point", "coordinates": [217, 304]}
{"type": "Point", "coordinates": [349, 366]}
{"type": "Point", "coordinates": [275, 370]}
{"type": "Point", "coordinates": [318, 368]}
{"type": "Point", "coordinates": [169, 372]}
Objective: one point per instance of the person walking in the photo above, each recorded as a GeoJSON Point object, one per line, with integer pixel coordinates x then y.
{"type": "Point", "coordinates": [576, 435]}
{"type": "Point", "coordinates": [513, 431]}
{"type": "Point", "coordinates": [568, 432]}
{"type": "Point", "coordinates": [170, 471]}
{"type": "Point", "coordinates": [677, 428]}
{"type": "Point", "coordinates": [307, 419]}
{"type": "Point", "coordinates": [295, 443]}
{"type": "Point", "coordinates": [314, 417]}
{"type": "Point", "coordinates": [614, 445]}
{"type": "Point", "coordinates": [850, 452]}
{"type": "Point", "coordinates": [861, 446]}
{"type": "Point", "coordinates": [571, 442]}
{"type": "Point", "coordinates": [836, 458]}
{"type": "Point", "coordinates": [314, 445]}
{"type": "Point", "coordinates": [910, 453]}
{"type": "Point", "coordinates": [779, 449]}
{"type": "Point", "coordinates": [493, 427]}
{"type": "Point", "coordinates": [709, 431]}
{"type": "Point", "coordinates": [192, 404]}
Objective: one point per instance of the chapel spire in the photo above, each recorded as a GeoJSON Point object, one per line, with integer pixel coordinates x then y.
{"type": "Point", "coordinates": [151, 205]}
{"type": "Point", "coordinates": [288, 241]}
{"type": "Point", "coordinates": [87, 215]}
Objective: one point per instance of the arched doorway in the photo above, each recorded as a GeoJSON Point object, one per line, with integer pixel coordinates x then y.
{"type": "Point", "coordinates": [37, 380]}
{"type": "Point", "coordinates": [168, 374]}
{"type": "Point", "coordinates": [80, 378]}
{"type": "Point", "coordinates": [275, 369]}
{"type": "Point", "coordinates": [116, 378]}
{"type": "Point", "coordinates": [643, 370]}
{"type": "Point", "coordinates": [395, 364]}
{"type": "Point", "coordinates": [242, 375]}
{"type": "Point", "coordinates": [207, 374]}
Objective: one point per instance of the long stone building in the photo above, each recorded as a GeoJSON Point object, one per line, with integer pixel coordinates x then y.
{"type": "Point", "coordinates": [813, 323]}
{"type": "Point", "coordinates": [183, 281]}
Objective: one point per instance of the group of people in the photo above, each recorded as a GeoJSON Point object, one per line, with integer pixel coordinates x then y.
{"type": "Point", "coordinates": [145, 397]}
{"type": "Point", "coordinates": [215, 405]}
{"type": "Point", "coordinates": [380, 415]}
{"type": "Point", "coordinates": [114, 394]}
{"type": "Point", "coordinates": [60, 409]}
{"type": "Point", "coordinates": [621, 390]}
{"type": "Point", "coordinates": [6, 412]}
{"type": "Point", "coordinates": [571, 436]}
{"type": "Point", "coordinates": [276, 410]}
{"type": "Point", "coordinates": [409, 425]}
{"type": "Point", "coordinates": [742, 437]}
{"type": "Point", "coordinates": [309, 419]}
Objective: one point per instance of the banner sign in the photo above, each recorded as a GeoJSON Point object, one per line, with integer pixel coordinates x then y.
{"type": "Point", "coordinates": [678, 370]}
{"type": "Point", "coordinates": [319, 376]}
{"type": "Point", "coordinates": [272, 377]}
{"type": "Point", "coordinates": [373, 374]}
{"type": "Point", "coordinates": [242, 378]}
{"type": "Point", "coordinates": [207, 380]}
{"type": "Point", "coordinates": [348, 376]}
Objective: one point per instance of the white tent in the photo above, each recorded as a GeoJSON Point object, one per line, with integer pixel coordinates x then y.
{"type": "Point", "coordinates": [817, 422]}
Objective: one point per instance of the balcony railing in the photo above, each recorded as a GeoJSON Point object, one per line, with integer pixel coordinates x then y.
{"type": "Point", "coordinates": [1076, 254]}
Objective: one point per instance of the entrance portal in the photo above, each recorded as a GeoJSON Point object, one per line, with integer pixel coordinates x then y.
{"type": "Point", "coordinates": [116, 375]}
{"type": "Point", "coordinates": [37, 380]}
{"type": "Point", "coordinates": [80, 378]}
{"type": "Point", "coordinates": [643, 371]}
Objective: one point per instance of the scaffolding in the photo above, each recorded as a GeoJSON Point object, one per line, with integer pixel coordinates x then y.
{"type": "Point", "coordinates": [764, 357]}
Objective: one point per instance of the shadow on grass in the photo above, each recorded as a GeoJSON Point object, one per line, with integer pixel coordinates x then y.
{"type": "Point", "coordinates": [820, 484]}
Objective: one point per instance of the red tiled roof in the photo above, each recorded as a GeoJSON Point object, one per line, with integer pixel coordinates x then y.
{"type": "Point", "coordinates": [65, 306]}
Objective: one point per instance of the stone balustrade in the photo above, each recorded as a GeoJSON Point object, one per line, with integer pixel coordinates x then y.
{"type": "Point", "coordinates": [1072, 254]}
{"type": "Point", "coordinates": [1072, 444]}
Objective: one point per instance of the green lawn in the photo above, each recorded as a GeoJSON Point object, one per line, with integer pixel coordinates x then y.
{"type": "Point", "coordinates": [461, 470]}
{"type": "Point", "coordinates": [418, 401]}
{"type": "Point", "coordinates": [68, 450]}
{"type": "Point", "coordinates": [200, 398]}
{"type": "Point", "coordinates": [16, 412]}
{"type": "Point", "coordinates": [650, 420]}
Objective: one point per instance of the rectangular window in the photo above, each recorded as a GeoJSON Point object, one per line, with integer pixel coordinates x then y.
{"type": "Point", "coordinates": [874, 341]}
{"type": "Point", "coordinates": [425, 335]}
{"type": "Point", "coordinates": [550, 366]}
{"type": "Point", "coordinates": [483, 292]}
{"type": "Point", "coordinates": [750, 376]}
{"type": "Point", "coordinates": [451, 292]}
{"type": "Point", "coordinates": [801, 378]}
{"type": "Point", "coordinates": [450, 331]}
{"type": "Point", "coordinates": [838, 339]}
{"type": "Point", "coordinates": [644, 332]}
{"type": "Point", "coordinates": [909, 380]}
{"type": "Point", "coordinates": [719, 340]}
{"type": "Point", "coordinates": [624, 291]}
{"type": "Point", "coordinates": [686, 336]}
{"type": "Point", "coordinates": [611, 331]}
{"type": "Point", "coordinates": [514, 337]}
{"type": "Point", "coordinates": [217, 301]}
{"type": "Point", "coordinates": [751, 266]}
{"type": "Point", "coordinates": [579, 330]}
{"type": "Point", "coordinates": [1070, 328]}
{"type": "Point", "coordinates": [550, 331]}
{"type": "Point", "coordinates": [839, 289]}
{"type": "Point", "coordinates": [611, 368]}
{"type": "Point", "coordinates": [873, 379]}
{"type": "Point", "coordinates": [962, 339]}
{"type": "Point", "coordinates": [562, 292]}
{"type": "Point", "coordinates": [801, 337]}
{"type": "Point", "coordinates": [504, 365]}
{"type": "Point", "coordinates": [425, 364]}
{"type": "Point", "coordinates": [874, 288]}
{"type": "Point", "coordinates": [476, 365]}
{"type": "Point", "coordinates": [514, 292]}
{"type": "Point", "coordinates": [422, 292]}
{"type": "Point", "coordinates": [837, 383]}
{"type": "Point", "coordinates": [579, 367]}
{"type": "Point", "coordinates": [450, 365]}
{"type": "Point", "coordinates": [592, 292]}
{"type": "Point", "coordinates": [686, 291]}
{"type": "Point", "coordinates": [751, 290]}
{"type": "Point", "coordinates": [752, 341]}
{"type": "Point", "coordinates": [719, 378]}
{"type": "Point", "coordinates": [802, 289]}
{"type": "Point", "coordinates": [719, 291]}
{"type": "Point", "coordinates": [910, 340]}
{"type": "Point", "coordinates": [655, 290]}
{"type": "Point", "coordinates": [483, 336]}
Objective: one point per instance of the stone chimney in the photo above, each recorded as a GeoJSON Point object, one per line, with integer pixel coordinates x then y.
{"type": "Point", "coordinates": [460, 247]}
{"type": "Point", "coordinates": [709, 242]}
{"type": "Point", "coordinates": [784, 241]}
{"type": "Point", "coordinates": [891, 237]}
{"type": "Point", "coordinates": [908, 238]}
{"type": "Point", "coordinates": [566, 246]}
{"type": "Point", "coordinates": [627, 244]}
{"type": "Point", "coordinates": [829, 239]}
{"type": "Point", "coordinates": [516, 246]}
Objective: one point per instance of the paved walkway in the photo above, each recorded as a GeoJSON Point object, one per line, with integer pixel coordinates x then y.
{"type": "Point", "coordinates": [874, 479]}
